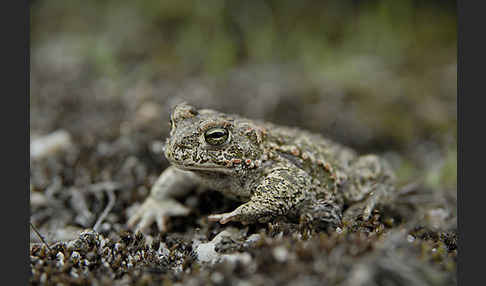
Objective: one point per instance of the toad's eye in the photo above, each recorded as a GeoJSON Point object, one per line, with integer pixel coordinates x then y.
{"type": "Point", "coordinates": [216, 136]}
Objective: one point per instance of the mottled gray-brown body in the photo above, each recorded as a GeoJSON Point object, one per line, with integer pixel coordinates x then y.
{"type": "Point", "coordinates": [278, 172]}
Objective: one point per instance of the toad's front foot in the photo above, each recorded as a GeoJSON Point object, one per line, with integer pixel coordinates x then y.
{"type": "Point", "coordinates": [156, 211]}
{"type": "Point", "coordinates": [223, 218]}
{"type": "Point", "coordinates": [227, 217]}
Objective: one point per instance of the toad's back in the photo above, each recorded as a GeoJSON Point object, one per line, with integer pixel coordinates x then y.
{"type": "Point", "coordinates": [324, 160]}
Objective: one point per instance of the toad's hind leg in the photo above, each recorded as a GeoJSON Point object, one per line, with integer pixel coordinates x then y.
{"type": "Point", "coordinates": [322, 213]}
{"type": "Point", "coordinates": [371, 183]}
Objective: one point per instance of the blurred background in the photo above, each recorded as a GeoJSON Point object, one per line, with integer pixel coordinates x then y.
{"type": "Point", "coordinates": [379, 76]}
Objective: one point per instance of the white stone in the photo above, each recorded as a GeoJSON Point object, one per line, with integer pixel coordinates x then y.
{"type": "Point", "coordinates": [50, 144]}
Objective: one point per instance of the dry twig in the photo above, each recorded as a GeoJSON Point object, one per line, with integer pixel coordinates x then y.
{"type": "Point", "coordinates": [109, 189]}
{"type": "Point", "coordinates": [40, 236]}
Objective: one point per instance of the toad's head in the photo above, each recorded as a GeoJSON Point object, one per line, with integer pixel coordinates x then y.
{"type": "Point", "coordinates": [208, 140]}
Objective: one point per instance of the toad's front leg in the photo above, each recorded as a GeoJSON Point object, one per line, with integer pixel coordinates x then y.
{"type": "Point", "coordinates": [277, 195]}
{"type": "Point", "coordinates": [160, 205]}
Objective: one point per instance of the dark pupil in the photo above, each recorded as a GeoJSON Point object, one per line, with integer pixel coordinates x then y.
{"type": "Point", "coordinates": [216, 134]}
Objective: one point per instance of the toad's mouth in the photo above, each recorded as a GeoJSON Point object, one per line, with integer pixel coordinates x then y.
{"type": "Point", "coordinates": [206, 168]}
{"type": "Point", "coordinates": [182, 159]}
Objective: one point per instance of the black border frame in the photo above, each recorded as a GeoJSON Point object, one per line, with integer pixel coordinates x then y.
{"type": "Point", "coordinates": [15, 116]}
{"type": "Point", "coordinates": [470, 86]}
{"type": "Point", "coordinates": [471, 63]}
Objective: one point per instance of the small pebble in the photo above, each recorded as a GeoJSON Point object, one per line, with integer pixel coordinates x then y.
{"type": "Point", "coordinates": [50, 144]}
{"type": "Point", "coordinates": [280, 253]}
{"type": "Point", "coordinates": [217, 277]}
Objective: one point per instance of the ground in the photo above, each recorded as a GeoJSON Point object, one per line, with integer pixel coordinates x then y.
{"type": "Point", "coordinates": [112, 147]}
